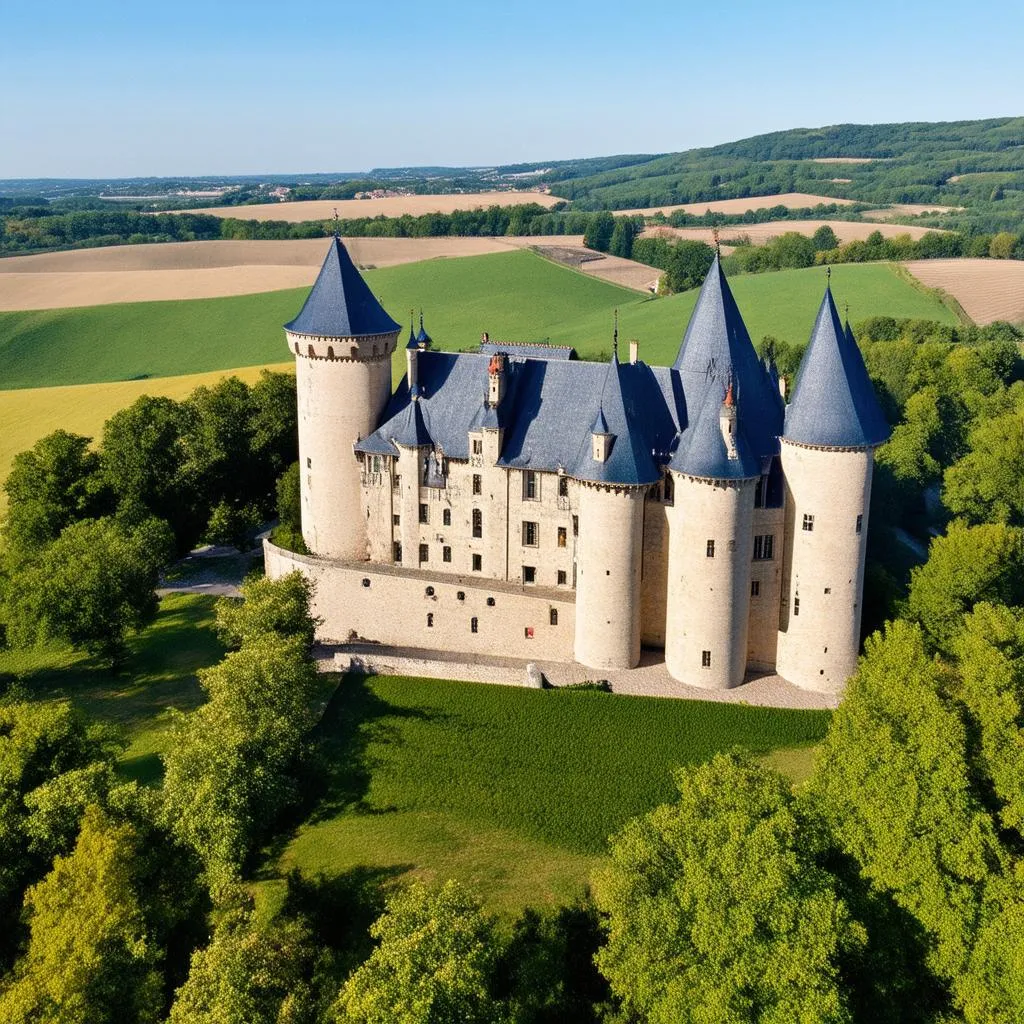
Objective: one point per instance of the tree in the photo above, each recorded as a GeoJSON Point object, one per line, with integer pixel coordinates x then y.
{"type": "Point", "coordinates": [987, 484]}
{"type": "Point", "coordinates": [275, 423]}
{"type": "Point", "coordinates": [50, 486]}
{"type": "Point", "coordinates": [621, 243]}
{"type": "Point", "coordinates": [1002, 245]}
{"type": "Point", "coordinates": [233, 524]}
{"type": "Point", "coordinates": [289, 498]}
{"type": "Point", "coordinates": [599, 232]}
{"type": "Point", "coordinates": [717, 909]}
{"type": "Point", "coordinates": [968, 565]}
{"type": "Point", "coordinates": [91, 587]}
{"type": "Point", "coordinates": [689, 263]}
{"type": "Point", "coordinates": [268, 607]}
{"type": "Point", "coordinates": [433, 963]}
{"type": "Point", "coordinates": [824, 239]}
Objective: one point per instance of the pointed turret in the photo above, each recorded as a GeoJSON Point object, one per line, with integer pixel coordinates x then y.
{"type": "Point", "coordinates": [834, 403]}
{"type": "Point", "coordinates": [422, 339]}
{"type": "Point", "coordinates": [410, 431]}
{"type": "Point", "coordinates": [340, 304]}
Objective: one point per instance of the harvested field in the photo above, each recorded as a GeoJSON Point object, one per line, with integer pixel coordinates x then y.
{"type": "Point", "coordinates": [628, 273]}
{"type": "Point", "coordinates": [986, 289]}
{"type": "Point", "coordinates": [907, 210]}
{"type": "Point", "coordinates": [392, 206]}
{"type": "Point", "coordinates": [791, 200]}
{"type": "Point", "coordinates": [200, 270]}
{"type": "Point", "coordinates": [846, 230]}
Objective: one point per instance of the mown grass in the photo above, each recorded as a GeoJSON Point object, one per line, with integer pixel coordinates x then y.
{"type": "Point", "coordinates": [160, 673]}
{"type": "Point", "coordinates": [513, 296]}
{"type": "Point", "coordinates": [514, 791]}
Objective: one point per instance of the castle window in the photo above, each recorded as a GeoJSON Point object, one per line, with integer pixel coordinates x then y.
{"type": "Point", "coordinates": [808, 522]}
{"type": "Point", "coordinates": [366, 581]}
{"type": "Point", "coordinates": [528, 632]}
{"type": "Point", "coordinates": [561, 577]}
{"type": "Point", "coordinates": [755, 588]}
{"type": "Point", "coordinates": [669, 489]}
{"type": "Point", "coordinates": [563, 487]}
{"type": "Point", "coordinates": [309, 462]}
{"type": "Point", "coordinates": [490, 602]}
{"type": "Point", "coordinates": [530, 531]}
{"type": "Point", "coordinates": [446, 517]}
{"type": "Point", "coordinates": [828, 590]}
{"type": "Point", "coordinates": [860, 523]}
{"type": "Point", "coordinates": [478, 563]}
{"type": "Point", "coordinates": [398, 481]}
{"type": "Point", "coordinates": [711, 549]}
{"type": "Point", "coordinates": [396, 520]}
{"type": "Point", "coordinates": [531, 488]}
{"type": "Point", "coordinates": [430, 620]}
{"type": "Point", "coordinates": [796, 605]}
{"type": "Point", "coordinates": [460, 595]}
{"type": "Point", "coordinates": [396, 550]}
{"type": "Point", "coordinates": [575, 526]}
{"type": "Point", "coordinates": [429, 591]}
{"type": "Point", "coordinates": [375, 464]}
{"type": "Point", "coordinates": [424, 552]}
{"type": "Point", "coordinates": [478, 523]}
{"type": "Point", "coordinates": [764, 547]}
{"type": "Point", "coordinates": [561, 537]}
{"type": "Point", "coordinates": [705, 659]}
{"type": "Point", "coordinates": [529, 574]}
{"type": "Point", "coordinates": [478, 446]}
{"type": "Point", "coordinates": [330, 352]}
{"type": "Point", "coordinates": [474, 625]}
{"type": "Point", "coordinates": [553, 616]}
{"type": "Point", "coordinates": [296, 348]}
{"type": "Point", "coordinates": [446, 554]}
{"type": "Point", "coordinates": [424, 514]}
{"type": "Point", "coordinates": [476, 483]}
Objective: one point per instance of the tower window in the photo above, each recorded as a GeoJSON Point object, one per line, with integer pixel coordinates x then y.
{"type": "Point", "coordinates": [430, 620]}
{"type": "Point", "coordinates": [446, 554]}
{"type": "Point", "coordinates": [309, 462]}
{"type": "Point", "coordinates": [531, 489]}
{"type": "Point", "coordinates": [478, 523]}
{"type": "Point", "coordinates": [396, 520]}
{"type": "Point", "coordinates": [860, 523]}
{"type": "Point", "coordinates": [553, 616]}
{"type": "Point", "coordinates": [529, 573]}
{"type": "Point", "coordinates": [530, 532]}
{"type": "Point", "coordinates": [563, 487]}
{"type": "Point", "coordinates": [828, 590]}
{"type": "Point", "coordinates": [561, 536]}
{"type": "Point", "coordinates": [796, 605]}
{"type": "Point", "coordinates": [490, 602]}
{"type": "Point", "coordinates": [366, 581]}
{"type": "Point", "coordinates": [808, 522]}
{"type": "Point", "coordinates": [705, 659]}
{"type": "Point", "coordinates": [474, 625]}
{"type": "Point", "coordinates": [575, 526]}
{"type": "Point", "coordinates": [424, 552]}
{"type": "Point", "coordinates": [460, 595]}
{"type": "Point", "coordinates": [711, 549]}
{"type": "Point", "coordinates": [478, 563]}
{"type": "Point", "coordinates": [476, 483]}
{"type": "Point", "coordinates": [424, 513]}
{"type": "Point", "coordinates": [764, 547]}
{"type": "Point", "coordinates": [478, 446]}
{"type": "Point", "coordinates": [446, 517]}
{"type": "Point", "coordinates": [755, 588]}
{"type": "Point", "coordinates": [396, 550]}
{"type": "Point", "coordinates": [561, 577]}
{"type": "Point", "coordinates": [429, 591]}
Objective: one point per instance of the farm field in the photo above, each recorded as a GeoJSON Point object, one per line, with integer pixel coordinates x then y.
{"type": "Point", "coordinates": [392, 206]}
{"type": "Point", "coordinates": [907, 210]}
{"type": "Point", "coordinates": [791, 200]}
{"type": "Point", "coordinates": [513, 791]}
{"type": "Point", "coordinates": [846, 230]}
{"type": "Point", "coordinates": [987, 289]}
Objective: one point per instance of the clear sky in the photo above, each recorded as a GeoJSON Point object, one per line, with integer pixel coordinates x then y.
{"type": "Point", "coordinates": [101, 88]}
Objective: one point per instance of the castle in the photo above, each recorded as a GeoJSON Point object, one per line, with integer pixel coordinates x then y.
{"type": "Point", "coordinates": [523, 502]}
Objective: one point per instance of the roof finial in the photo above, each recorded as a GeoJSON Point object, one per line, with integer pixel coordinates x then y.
{"type": "Point", "coordinates": [828, 277]}
{"type": "Point", "coordinates": [335, 222]}
{"type": "Point", "coordinates": [846, 310]}
{"type": "Point", "coordinates": [718, 245]}
{"type": "Point", "coordinates": [615, 335]}
{"type": "Point", "coordinates": [421, 318]}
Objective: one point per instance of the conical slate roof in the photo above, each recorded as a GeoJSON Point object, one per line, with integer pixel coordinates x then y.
{"type": "Point", "coordinates": [834, 403]}
{"type": "Point", "coordinates": [630, 461]}
{"type": "Point", "coordinates": [341, 304]}
{"type": "Point", "coordinates": [423, 338]}
{"type": "Point", "coordinates": [409, 429]}
{"type": "Point", "coordinates": [716, 349]}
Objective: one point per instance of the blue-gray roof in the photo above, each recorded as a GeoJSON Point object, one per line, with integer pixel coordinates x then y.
{"type": "Point", "coordinates": [834, 403]}
{"type": "Point", "coordinates": [715, 351]}
{"type": "Point", "coordinates": [527, 349]}
{"type": "Point", "coordinates": [423, 338]}
{"type": "Point", "coordinates": [408, 428]}
{"type": "Point", "coordinates": [340, 304]}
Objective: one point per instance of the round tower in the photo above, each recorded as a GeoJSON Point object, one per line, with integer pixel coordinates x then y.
{"type": "Point", "coordinates": [833, 425]}
{"type": "Point", "coordinates": [342, 341]}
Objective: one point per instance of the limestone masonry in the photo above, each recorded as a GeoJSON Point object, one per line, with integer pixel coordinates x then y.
{"type": "Point", "coordinates": [520, 501]}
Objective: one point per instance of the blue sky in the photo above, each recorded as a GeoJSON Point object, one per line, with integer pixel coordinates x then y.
{"type": "Point", "coordinates": [98, 88]}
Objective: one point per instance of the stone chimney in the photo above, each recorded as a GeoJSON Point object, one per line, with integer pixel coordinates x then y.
{"type": "Point", "coordinates": [495, 380]}
{"type": "Point", "coordinates": [634, 351]}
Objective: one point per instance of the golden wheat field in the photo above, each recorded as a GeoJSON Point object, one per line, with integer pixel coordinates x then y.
{"type": "Point", "coordinates": [846, 230]}
{"type": "Point", "coordinates": [986, 289]}
{"type": "Point", "coordinates": [790, 200]}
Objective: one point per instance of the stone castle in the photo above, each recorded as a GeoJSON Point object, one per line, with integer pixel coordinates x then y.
{"type": "Point", "coordinates": [520, 501]}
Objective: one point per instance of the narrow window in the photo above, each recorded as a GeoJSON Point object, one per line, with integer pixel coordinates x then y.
{"type": "Point", "coordinates": [376, 464]}
{"type": "Point", "coordinates": [563, 487]}
{"type": "Point", "coordinates": [755, 588]}
{"type": "Point", "coordinates": [561, 577]}
{"type": "Point", "coordinates": [396, 550]}
{"type": "Point", "coordinates": [446, 554]}
{"type": "Point", "coordinates": [860, 523]}
{"type": "Point", "coordinates": [561, 536]}
{"type": "Point", "coordinates": [309, 463]}
{"type": "Point", "coordinates": [575, 526]}
{"type": "Point", "coordinates": [478, 563]}
{"type": "Point", "coordinates": [530, 531]}
{"type": "Point", "coordinates": [478, 446]}
{"type": "Point", "coordinates": [460, 595]}
{"type": "Point", "coordinates": [528, 632]}
{"type": "Point", "coordinates": [529, 573]}
{"type": "Point", "coordinates": [446, 517]}
{"type": "Point", "coordinates": [530, 489]}
{"type": "Point", "coordinates": [473, 624]}
{"type": "Point", "coordinates": [396, 520]}
{"type": "Point", "coordinates": [711, 549]}
{"type": "Point", "coordinates": [424, 513]}
{"type": "Point", "coordinates": [430, 620]}
{"type": "Point", "coordinates": [764, 547]}
{"type": "Point", "coordinates": [796, 605]}
{"type": "Point", "coordinates": [478, 523]}
{"type": "Point", "coordinates": [553, 616]}
{"type": "Point", "coordinates": [424, 552]}
{"type": "Point", "coordinates": [476, 483]}
{"type": "Point", "coordinates": [398, 481]}
{"type": "Point", "coordinates": [808, 522]}
{"type": "Point", "coordinates": [669, 489]}
{"type": "Point", "coordinates": [705, 659]}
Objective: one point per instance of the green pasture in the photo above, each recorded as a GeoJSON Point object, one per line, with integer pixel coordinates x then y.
{"type": "Point", "coordinates": [513, 296]}
{"type": "Point", "coordinates": [514, 791]}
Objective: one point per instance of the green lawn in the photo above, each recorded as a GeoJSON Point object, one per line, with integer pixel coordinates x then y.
{"type": "Point", "coordinates": [514, 791]}
{"type": "Point", "coordinates": [513, 296]}
{"type": "Point", "coordinates": [160, 673]}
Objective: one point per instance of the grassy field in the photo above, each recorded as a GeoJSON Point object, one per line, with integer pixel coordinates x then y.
{"type": "Point", "coordinates": [514, 791]}
{"type": "Point", "coordinates": [159, 674]}
{"type": "Point", "coordinates": [515, 296]}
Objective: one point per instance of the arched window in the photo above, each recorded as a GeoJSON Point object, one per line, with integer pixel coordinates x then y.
{"type": "Point", "coordinates": [330, 351]}
{"type": "Point", "coordinates": [478, 523]}
{"type": "Point", "coordinates": [553, 615]}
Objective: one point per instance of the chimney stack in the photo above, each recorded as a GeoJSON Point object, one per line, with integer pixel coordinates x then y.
{"type": "Point", "coordinates": [634, 351]}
